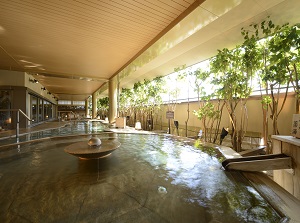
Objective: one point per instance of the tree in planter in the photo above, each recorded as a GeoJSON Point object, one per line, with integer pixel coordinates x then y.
{"type": "Point", "coordinates": [173, 90]}
{"type": "Point", "coordinates": [277, 74]}
{"type": "Point", "coordinates": [233, 77]}
{"type": "Point", "coordinates": [102, 107]}
{"type": "Point", "coordinates": [208, 113]}
{"type": "Point", "coordinates": [142, 100]}
{"type": "Point", "coordinates": [280, 53]}
{"type": "Point", "coordinates": [284, 48]}
{"type": "Point", "coordinates": [153, 101]}
{"type": "Point", "coordinates": [200, 77]}
{"type": "Point", "coordinates": [139, 97]}
{"type": "Point", "coordinates": [184, 75]}
{"type": "Point", "coordinates": [295, 78]}
{"type": "Point", "coordinates": [125, 103]}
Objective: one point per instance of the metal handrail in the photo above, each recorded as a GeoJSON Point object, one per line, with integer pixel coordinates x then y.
{"type": "Point", "coordinates": [19, 110]}
{"type": "Point", "coordinates": [18, 119]}
{"type": "Point", "coordinates": [23, 113]}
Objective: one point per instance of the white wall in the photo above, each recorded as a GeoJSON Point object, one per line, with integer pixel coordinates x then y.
{"type": "Point", "coordinates": [37, 87]}
{"type": "Point", "coordinates": [254, 116]}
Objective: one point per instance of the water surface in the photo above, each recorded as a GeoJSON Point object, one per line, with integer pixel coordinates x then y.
{"type": "Point", "coordinates": [150, 178]}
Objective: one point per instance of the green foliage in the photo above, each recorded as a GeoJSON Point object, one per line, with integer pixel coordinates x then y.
{"type": "Point", "coordinates": [230, 75]}
{"type": "Point", "coordinates": [103, 103]}
{"type": "Point", "coordinates": [279, 50]}
{"type": "Point", "coordinates": [142, 94]}
{"type": "Point", "coordinates": [266, 101]}
{"type": "Point", "coordinates": [174, 90]}
{"type": "Point", "coordinates": [200, 77]}
{"type": "Point", "coordinates": [103, 106]}
{"type": "Point", "coordinates": [207, 111]}
{"type": "Point", "coordinates": [142, 99]}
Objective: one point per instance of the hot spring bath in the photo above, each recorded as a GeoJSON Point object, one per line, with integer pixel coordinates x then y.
{"type": "Point", "coordinates": [149, 178]}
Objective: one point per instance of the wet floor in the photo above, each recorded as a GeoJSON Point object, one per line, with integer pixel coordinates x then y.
{"type": "Point", "coordinates": [149, 178]}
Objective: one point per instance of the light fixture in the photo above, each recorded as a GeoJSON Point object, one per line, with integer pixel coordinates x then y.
{"type": "Point", "coordinates": [33, 81]}
{"type": "Point", "coordinates": [138, 126]}
{"type": "Point", "coordinates": [224, 133]}
{"type": "Point", "coordinates": [43, 88]}
{"type": "Point", "coordinates": [49, 92]}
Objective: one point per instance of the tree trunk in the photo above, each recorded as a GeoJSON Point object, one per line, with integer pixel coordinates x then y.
{"type": "Point", "coordinates": [265, 129]}
{"type": "Point", "coordinates": [239, 141]}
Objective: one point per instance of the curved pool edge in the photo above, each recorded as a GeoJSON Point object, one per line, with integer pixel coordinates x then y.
{"type": "Point", "coordinates": [280, 199]}
{"type": "Point", "coordinates": [285, 204]}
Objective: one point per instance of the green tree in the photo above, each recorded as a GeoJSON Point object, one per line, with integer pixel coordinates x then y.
{"type": "Point", "coordinates": [142, 100]}
{"type": "Point", "coordinates": [102, 107]}
{"type": "Point", "coordinates": [209, 114]}
{"type": "Point", "coordinates": [200, 77]}
{"type": "Point", "coordinates": [126, 104]}
{"type": "Point", "coordinates": [233, 75]}
{"type": "Point", "coordinates": [279, 50]}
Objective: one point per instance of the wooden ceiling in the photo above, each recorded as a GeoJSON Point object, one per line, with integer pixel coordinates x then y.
{"type": "Point", "coordinates": [76, 46]}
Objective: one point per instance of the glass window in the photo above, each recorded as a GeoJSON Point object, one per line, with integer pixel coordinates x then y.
{"type": "Point", "coordinates": [62, 102]}
{"type": "Point", "coordinates": [78, 102]}
{"type": "Point", "coordinates": [33, 105]}
{"type": "Point", "coordinates": [41, 109]}
{"type": "Point", "coordinates": [47, 110]}
{"type": "Point", "coordinates": [5, 103]}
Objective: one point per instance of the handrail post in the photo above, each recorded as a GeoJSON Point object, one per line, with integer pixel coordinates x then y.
{"type": "Point", "coordinates": [18, 126]}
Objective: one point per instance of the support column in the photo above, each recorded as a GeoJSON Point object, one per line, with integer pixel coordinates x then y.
{"type": "Point", "coordinates": [112, 94]}
{"type": "Point", "coordinates": [94, 105]}
{"type": "Point", "coordinates": [86, 107]}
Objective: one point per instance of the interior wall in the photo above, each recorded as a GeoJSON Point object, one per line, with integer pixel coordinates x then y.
{"type": "Point", "coordinates": [37, 88]}
{"type": "Point", "coordinates": [22, 79]}
{"type": "Point", "coordinates": [21, 86]}
{"type": "Point", "coordinates": [12, 78]}
{"type": "Point", "coordinates": [19, 102]}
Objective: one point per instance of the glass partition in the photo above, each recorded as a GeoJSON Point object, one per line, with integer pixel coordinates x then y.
{"type": "Point", "coordinates": [47, 110]}
{"type": "Point", "coordinates": [41, 109]}
{"type": "Point", "coordinates": [5, 103]}
{"type": "Point", "coordinates": [33, 105]}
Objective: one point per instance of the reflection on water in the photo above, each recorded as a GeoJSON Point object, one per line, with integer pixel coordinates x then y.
{"type": "Point", "coordinates": [72, 128]}
{"type": "Point", "coordinates": [150, 178]}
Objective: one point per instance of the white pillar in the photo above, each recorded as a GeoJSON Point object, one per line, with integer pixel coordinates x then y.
{"type": "Point", "coordinates": [94, 105]}
{"type": "Point", "coordinates": [112, 94]}
{"type": "Point", "coordinates": [86, 107]}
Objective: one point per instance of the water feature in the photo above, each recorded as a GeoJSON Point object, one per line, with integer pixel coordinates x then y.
{"type": "Point", "coordinates": [94, 148]}
{"type": "Point", "coordinates": [149, 178]}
